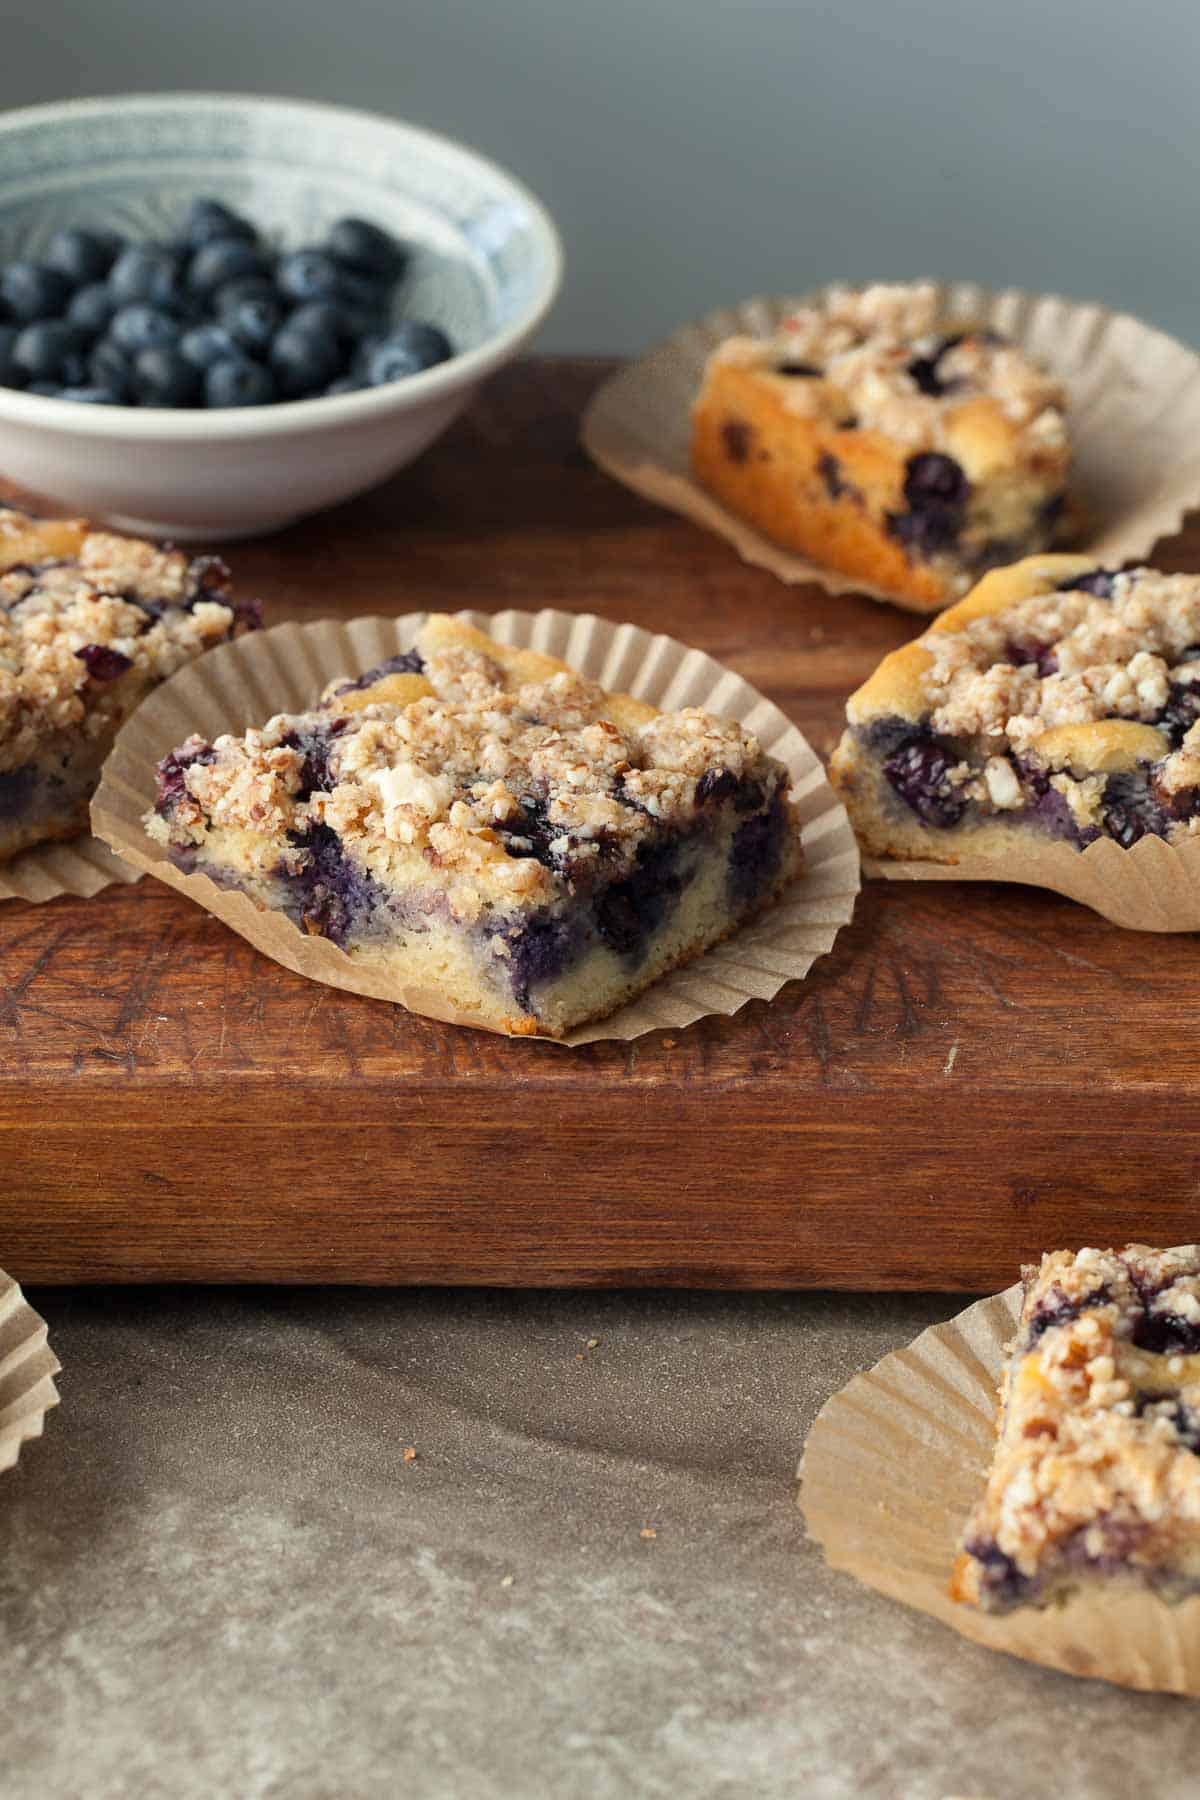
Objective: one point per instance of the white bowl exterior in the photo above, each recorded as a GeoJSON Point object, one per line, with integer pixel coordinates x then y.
{"type": "Point", "coordinates": [234, 485]}
{"type": "Point", "coordinates": [487, 266]}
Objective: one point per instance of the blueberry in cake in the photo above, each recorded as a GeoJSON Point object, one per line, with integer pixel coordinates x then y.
{"type": "Point", "coordinates": [881, 440]}
{"type": "Point", "coordinates": [1058, 701]}
{"type": "Point", "coordinates": [485, 824]}
{"type": "Point", "coordinates": [1096, 1473]}
{"type": "Point", "coordinates": [89, 623]}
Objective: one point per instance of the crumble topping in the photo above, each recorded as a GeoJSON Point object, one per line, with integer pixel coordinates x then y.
{"type": "Point", "coordinates": [82, 623]}
{"type": "Point", "coordinates": [883, 357]}
{"type": "Point", "coordinates": [1097, 1467]}
{"type": "Point", "coordinates": [506, 783]}
{"type": "Point", "coordinates": [1073, 658]}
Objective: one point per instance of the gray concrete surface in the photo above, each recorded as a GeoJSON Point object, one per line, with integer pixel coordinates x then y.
{"type": "Point", "coordinates": [219, 1576]}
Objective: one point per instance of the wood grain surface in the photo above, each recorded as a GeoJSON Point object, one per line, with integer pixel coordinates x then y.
{"type": "Point", "coordinates": [974, 1074]}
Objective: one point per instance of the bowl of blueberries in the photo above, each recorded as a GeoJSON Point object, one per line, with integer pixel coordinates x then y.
{"type": "Point", "coordinates": [219, 313]}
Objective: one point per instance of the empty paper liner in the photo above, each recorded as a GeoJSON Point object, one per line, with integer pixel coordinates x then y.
{"type": "Point", "coordinates": [1134, 420]}
{"type": "Point", "coordinates": [27, 1370]}
{"type": "Point", "coordinates": [892, 1467]}
{"type": "Point", "coordinates": [285, 670]}
{"type": "Point", "coordinates": [79, 866]}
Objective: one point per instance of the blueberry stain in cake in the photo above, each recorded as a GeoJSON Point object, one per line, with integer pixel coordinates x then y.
{"type": "Point", "coordinates": [715, 785]}
{"type": "Point", "coordinates": [1167, 1334]}
{"type": "Point", "coordinates": [1131, 811]}
{"type": "Point", "coordinates": [627, 913]}
{"type": "Point", "coordinates": [330, 895]}
{"type": "Point", "coordinates": [170, 783]}
{"type": "Point", "coordinates": [1000, 1576]}
{"type": "Point", "coordinates": [1183, 1420]}
{"type": "Point", "coordinates": [536, 951]}
{"type": "Point", "coordinates": [919, 773]}
{"type": "Point", "coordinates": [316, 747]}
{"type": "Point", "coordinates": [102, 662]}
{"type": "Point", "coordinates": [936, 491]}
{"type": "Point", "coordinates": [530, 832]}
{"type": "Point", "coordinates": [405, 662]}
{"type": "Point", "coordinates": [1098, 582]}
{"type": "Point", "coordinates": [736, 436]}
{"type": "Point", "coordinates": [925, 370]}
{"type": "Point", "coordinates": [1181, 711]}
{"type": "Point", "coordinates": [756, 853]}
{"type": "Point", "coordinates": [1057, 1308]}
{"type": "Point", "coordinates": [833, 480]}
{"type": "Point", "coordinates": [17, 790]}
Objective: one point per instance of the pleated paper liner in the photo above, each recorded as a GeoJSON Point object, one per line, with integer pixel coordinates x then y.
{"type": "Point", "coordinates": [891, 1469]}
{"type": "Point", "coordinates": [79, 866]}
{"type": "Point", "coordinates": [1134, 419]}
{"type": "Point", "coordinates": [285, 669]}
{"type": "Point", "coordinates": [27, 1370]}
{"type": "Point", "coordinates": [1153, 886]}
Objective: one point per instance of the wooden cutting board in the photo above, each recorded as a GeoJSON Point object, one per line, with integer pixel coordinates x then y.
{"type": "Point", "coordinates": [973, 1074]}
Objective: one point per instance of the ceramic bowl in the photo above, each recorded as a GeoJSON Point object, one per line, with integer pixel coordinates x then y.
{"type": "Point", "coordinates": [486, 267]}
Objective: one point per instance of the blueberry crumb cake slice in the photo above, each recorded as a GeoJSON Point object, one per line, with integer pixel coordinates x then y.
{"type": "Point", "coordinates": [880, 439]}
{"type": "Point", "coordinates": [89, 622]}
{"type": "Point", "coordinates": [1058, 702]}
{"type": "Point", "coordinates": [1096, 1473]}
{"type": "Point", "coordinates": [484, 824]}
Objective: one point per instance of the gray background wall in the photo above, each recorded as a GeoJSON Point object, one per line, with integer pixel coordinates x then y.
{"type": "Point", "coordinates": [694, 151]}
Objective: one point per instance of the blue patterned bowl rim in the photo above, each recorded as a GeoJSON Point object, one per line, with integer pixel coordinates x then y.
{"type": "Point", "coordinates": [466, 368]}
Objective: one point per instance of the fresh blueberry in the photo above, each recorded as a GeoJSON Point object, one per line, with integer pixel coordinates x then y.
{"type": "Point", "coordinates": [223, 260]}
{"type": "Point", "coordinates": [145, 272]}
{"type": "Point", "coordinates": [162, 377]}
{"type": "Point", "coordinates": [11, 372]}
{"type": "Point", "coordinates": [243, 287]}
{"type": "Point", "coordinates": [92, 307]}
{"type": "Point", "coordinates": [365, 293]}
{"type": "Point", "coordinates": [31, 291]}
{"type": "Point", "coordinates": [209, 220]}
{"type": "Point", "coordinates": [144, 327]}
{"type": "Point", "coordinates": [92, 396]}
{"type": "Point", "coordinates": [236, 381]}
{"type": "Point", "coordinates": [308, 275]}
{"type": "Point", "coordinates": [109, 367]}
{"type": "Point", "coordinates": [347, 384]}
{"type": "Point", "coordinates": [205, 345]}
{"type": "Point", "coordinates": [361, 245]}
{"type": "Point", "coordinates": [42, 350]}
{"type": "Point", "coordinates": [406, 350]}
{"type": "Point", "coordinates": [82, 256]}
{"type": "Point", "coordinates": [253, 322]}
{"type": "Point", "coordinates": [73, 370]}
{"type": "Point", "coordinates": [323, 318]}
{"type": "Point", "coordinates": [49, 389]}
{"type": "Point", "coordinates": [303, 364]}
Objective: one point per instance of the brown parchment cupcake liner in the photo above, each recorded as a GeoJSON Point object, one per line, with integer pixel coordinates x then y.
{"type": "Point", "coordinates": [1134, 419]}
{"type": "Point", "coordinates": [891, 1469]}
{"type": "Point", "coordinates": [81, 866]}
{"type": "Point", "coordinates": [1153, 886]}
{"type": "Point", "coordinates": [285, 669]}
{"type": "Point", "coordinates": [27, 1370]}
